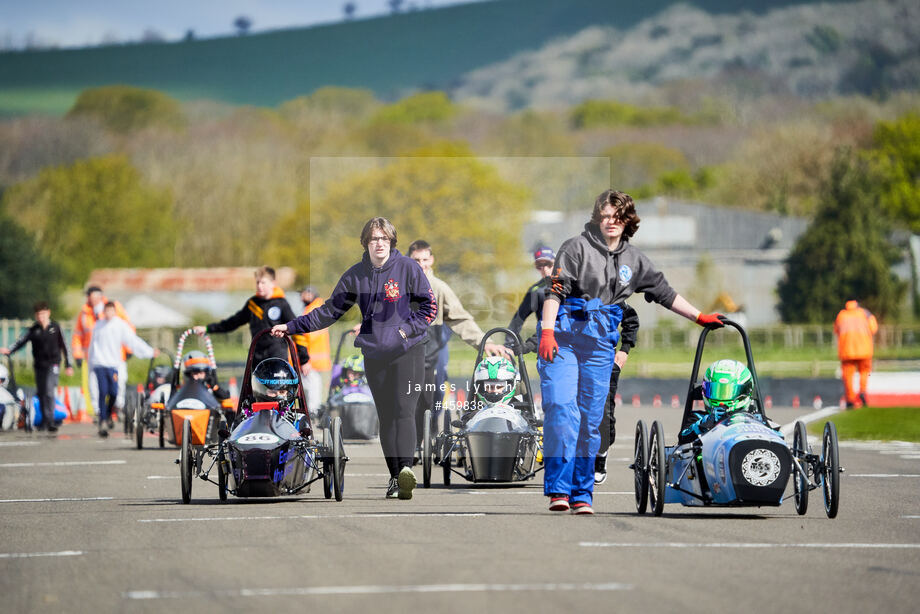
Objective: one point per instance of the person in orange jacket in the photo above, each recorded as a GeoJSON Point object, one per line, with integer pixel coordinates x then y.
{"type": "Point", "coordinates": [82, 337]}
{"type": "Point", "coordinates": [854, 328]}
{"type": "Point", "coordinates": [320, 356]}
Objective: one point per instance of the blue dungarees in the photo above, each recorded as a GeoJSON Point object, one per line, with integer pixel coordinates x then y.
{"type": "Point", "coordinates": [574, 388]}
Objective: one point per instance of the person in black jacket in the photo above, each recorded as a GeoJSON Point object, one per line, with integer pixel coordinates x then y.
{"type": "Point", "coordinates": [47, 348]}
{"type": "Point", "coordinates": [397, 306]}
{"type": "Point", "coordinates": [532, 303]}
{"type": "Point", "coordinates": [265, 309]}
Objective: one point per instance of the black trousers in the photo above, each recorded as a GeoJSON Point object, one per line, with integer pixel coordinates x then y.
{"type": "Point", "coordinates": [609, 421]}
{"type": "Point", "coordinates": [393, 382]}
{"type": "Point", "coordinates": [46, 380]}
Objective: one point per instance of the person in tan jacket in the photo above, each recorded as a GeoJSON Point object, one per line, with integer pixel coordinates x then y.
{"type": "Point", "coordinates": [451, 314]}
{"type": "Point", "coordinates": [854, 327]}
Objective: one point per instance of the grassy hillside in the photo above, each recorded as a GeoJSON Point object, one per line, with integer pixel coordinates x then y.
{"type": "Point", "coordinates": [389, 55]}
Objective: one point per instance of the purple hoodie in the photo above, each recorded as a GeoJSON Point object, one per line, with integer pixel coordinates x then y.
{"type": "Point", "coordinates": [396, 302]}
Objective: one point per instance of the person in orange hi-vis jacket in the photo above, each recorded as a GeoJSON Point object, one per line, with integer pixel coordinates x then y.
{"type": "Point", "coordinates": [320, 356]}
{"type": "Point", "coordinates": [854, 328]}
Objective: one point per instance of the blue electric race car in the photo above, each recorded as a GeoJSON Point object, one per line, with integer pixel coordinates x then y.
{"type": "Point", "coordinates": [271, 449]}
{"type": "Point", "coordinates": [738, 459]}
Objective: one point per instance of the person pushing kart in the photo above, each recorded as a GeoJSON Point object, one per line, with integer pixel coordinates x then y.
{"type": "Point", "coordinates": [595, 273]}
{"type": "Point", "coordinates": [266, 308]}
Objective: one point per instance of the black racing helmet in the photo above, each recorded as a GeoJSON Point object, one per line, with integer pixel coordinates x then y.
{"type": "Point", "coordinates": [275, 380]}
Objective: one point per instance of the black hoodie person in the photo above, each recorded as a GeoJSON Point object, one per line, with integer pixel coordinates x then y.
{"type": "Point", "coordinates": [397, 307]}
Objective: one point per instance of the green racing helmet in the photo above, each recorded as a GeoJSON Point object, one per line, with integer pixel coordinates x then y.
{"type": "Point", "coordinates": [355, 362]}
{"type": "Point", "coordinates": [727, 387]}
{"type": "Point", "coordinates": [495, 379]}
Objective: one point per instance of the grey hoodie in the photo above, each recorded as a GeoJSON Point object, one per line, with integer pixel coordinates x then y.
{"type": "Point", "coordinates": [586, 269]}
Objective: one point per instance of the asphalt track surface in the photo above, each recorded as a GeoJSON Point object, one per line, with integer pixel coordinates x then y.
{"type": "Point", "coordinates": [92, 525]}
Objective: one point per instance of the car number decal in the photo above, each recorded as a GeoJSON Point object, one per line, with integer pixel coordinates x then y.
{"type": "Point", "coordinates": [258, 438]}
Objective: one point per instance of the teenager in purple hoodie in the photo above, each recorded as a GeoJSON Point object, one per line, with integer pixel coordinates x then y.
{"type": "Point", "coordinates": [397, 306]}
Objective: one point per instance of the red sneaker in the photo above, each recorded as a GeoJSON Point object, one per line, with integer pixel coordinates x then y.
{"type": "Point", "coordinates": [559, 503]}
{"type": "Point", "coordinates": [582, 507]}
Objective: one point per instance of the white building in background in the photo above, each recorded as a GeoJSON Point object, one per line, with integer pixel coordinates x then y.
{"type": "Point", "coordinates": [172, 298]}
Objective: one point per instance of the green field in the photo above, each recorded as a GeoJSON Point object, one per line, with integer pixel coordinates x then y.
{"type": "Point", "coordinates": [875, 423]}
{"type": "Point", "coordinates": [771, 361]}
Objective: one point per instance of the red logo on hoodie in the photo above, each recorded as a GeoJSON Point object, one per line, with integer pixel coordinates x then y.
{"type": "Point", "coordinates": [391, 291]}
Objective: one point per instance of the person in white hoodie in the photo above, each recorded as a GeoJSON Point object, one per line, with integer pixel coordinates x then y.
{"type": "Point", "coordinates": [105, 358]}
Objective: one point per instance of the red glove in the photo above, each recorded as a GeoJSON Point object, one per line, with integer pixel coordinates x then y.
{"type": "Point", "coordinates": [548, 346]}
{"type": "Point", "coordinates": [710, 319]}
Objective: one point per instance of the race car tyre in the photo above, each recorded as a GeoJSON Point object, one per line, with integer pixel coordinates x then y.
{"type": "Point", "coordinates": [640, 466]}
{"type": "Point", "coordinates": [130, 400]}
{"type": "Point", "coordinates": [161, 426]}
{"type": "Point", "coordinates": [830, 461]}
{"type": "Point", "coordinates": [445, 448]}
{"type": "Point", "coordinates": [799, 479]}
{"type": "Point", "coordinates": [657, 471]}
{"type": "Point", "coordinates": [221, 477]}
{"type": "Point", "coordinates": [185, 461]}
{"type": "Point", "coordinates": [327, 464]}
{"type": "Point", "coordinates": [338, 459]}
{"type": "Point", "coordinates": [139, 427]}
{"type": "Point", "coordinates": [426, 450]}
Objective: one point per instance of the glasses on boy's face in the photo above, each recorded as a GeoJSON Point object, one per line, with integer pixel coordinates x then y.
{"type": "Point", "coordinates": [613, 219]}
{"type": "Point", "coordinates": [379, 240]}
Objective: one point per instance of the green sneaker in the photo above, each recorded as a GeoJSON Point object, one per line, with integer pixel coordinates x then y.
{"type": "Point", "coordinates": [407, 481]}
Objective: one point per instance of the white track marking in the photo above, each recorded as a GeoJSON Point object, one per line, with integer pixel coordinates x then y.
{"type": "Point", "coordinates": [11, 444]}
{"type": "Point", "coordinates": [54, 500]}
{"type": "Point", "coordinates": [742, 545]}
{"type": "Point", "coordinates": [883, 475]}
{"type": "Point", "coordinates": [787, 429]}
{"type": "Point", "coordinates": [375, 590]}
{"type": "Point", "coordinates": [163, 477]}
{"type": "Point", "coordinates": [540, 493]}
{"type": "Point", "coordinates": [28, 555]}
{"type": "Point", "coordinates": [319, 516]}
{"type": "Point", "coordinates": [910, 516]}
{"type": "Point", "coordinates": [64, 463]}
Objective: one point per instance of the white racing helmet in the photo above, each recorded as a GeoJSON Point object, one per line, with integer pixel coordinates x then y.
{"type": "Point", "coordinates": [495, 379]}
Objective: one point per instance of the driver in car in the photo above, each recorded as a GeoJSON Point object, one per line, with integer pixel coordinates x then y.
{"type": "Point", "coordinates": [196, 366]}
{"type": "Point", "coordinates": [727, 388]}
{"type": "Point", "coordinates": [275, 380]}
{"type": "Point", "coordinates": [495, 381]}
{"type": "Point", "coordinates": [351, 375]}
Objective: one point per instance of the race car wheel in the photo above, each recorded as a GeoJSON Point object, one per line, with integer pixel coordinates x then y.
{"type": "Point", "coordinates": [338, 459]}
{"type": "Point", "coordinates": [130, 410]}
{"type": "Point", "coordinates": [799, 479]}
{"type": "Point", "coordinates": [221, 476]}
{"type": "Point", "coordinates": [327, 464]}
{"type": "Point", "coordinates": [426, 450]}
{"type": "Point", "coordinates": [640, 467]}
{"type": "Point", "coordinates": [161, 426]}
{"type": "Point", "coordinates": [445, 448]}
{"type": "Point", "coordinates": [185, 461]}
{"type": "Point", "coordinates": [657, 471]}
{"type": "Point", "coordinates": [830, 462]}
{"type": "Point", "coordinates": [139, 427]}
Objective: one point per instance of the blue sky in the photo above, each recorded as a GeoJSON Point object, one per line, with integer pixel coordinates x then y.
{"type": "Point", "coordinates": [73, 23]}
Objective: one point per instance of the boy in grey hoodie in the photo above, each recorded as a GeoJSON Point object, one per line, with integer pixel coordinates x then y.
{"type": "Point", "coordinates": [594, 274]}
